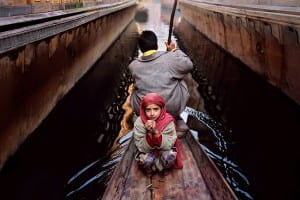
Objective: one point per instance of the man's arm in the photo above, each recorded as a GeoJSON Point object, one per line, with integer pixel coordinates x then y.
{"type": "Point", "coordinates": [182, 62]}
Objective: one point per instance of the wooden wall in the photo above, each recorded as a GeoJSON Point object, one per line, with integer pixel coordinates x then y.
{"type": "Point", "coordinates": [24, 7]}
{"type": "Point", "coordinates": [264, 38]}
{"type": "Point", "coordinates": [36, 75]}
{"type": "Point", "coordinates": [257, 2]}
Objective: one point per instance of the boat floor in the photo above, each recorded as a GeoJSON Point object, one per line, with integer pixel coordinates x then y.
{"type": "Point", "coordinates": [129, 182]}
{"type": "Point", "coordinates": [186, 183]}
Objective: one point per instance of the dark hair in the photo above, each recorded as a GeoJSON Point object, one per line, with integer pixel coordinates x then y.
{"type": "Point", "coordinates": [147, 41]}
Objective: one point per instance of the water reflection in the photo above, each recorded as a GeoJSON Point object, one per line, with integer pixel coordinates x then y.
{"type": "Point", "coordinates": [69, 154]}
{"type": "Point", "coordinates": [158, 21]}
{"type": "Point", "coordinates": [115, 132]}
{"type": "Point", "coordinates": [95, 175]}
{"type": "Point", "coordinates": [217, 150]}
{"type": "Point", "coordinates": [234, 114]}
{"type": "Point", "coordinates": [262, 123]}
{"type": "Point", "coordinates": [90, 182]}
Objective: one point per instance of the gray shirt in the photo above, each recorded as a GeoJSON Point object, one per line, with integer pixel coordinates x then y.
{"type": "Point", "coordinates": [161, 72]}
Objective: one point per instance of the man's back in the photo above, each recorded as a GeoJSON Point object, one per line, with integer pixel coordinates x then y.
{"type": "Point", "coordinates": [161, 72]}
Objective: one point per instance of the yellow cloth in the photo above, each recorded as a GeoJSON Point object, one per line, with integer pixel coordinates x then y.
{"type": "Point", "coordinates": [149, 52]}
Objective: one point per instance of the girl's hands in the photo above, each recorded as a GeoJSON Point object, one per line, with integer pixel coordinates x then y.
{"type": "Point", "coordinates": [150, 125]}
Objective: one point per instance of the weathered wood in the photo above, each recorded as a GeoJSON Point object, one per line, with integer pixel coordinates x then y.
{"type": "Point", "coordinates": [265, 38]}
{"type": "Point", "coordinates": [277, 14]}
{"type": "Point", "coordinates": [169, 186]}
{"type": "Point", "coordinates": [193, 182]}
{"type": "Point", "coordinates": [19, 37]}
{"type": "Point", "coordinates": [137, 185]}
{"type": "Point", "coordinates": [214, 180]}
{"type": "Point", "coordinates": [117, 182]}
{"type": "Point", "coordinates": [199, 178]}
{"type": "Point", "coordinates": [19, 19]}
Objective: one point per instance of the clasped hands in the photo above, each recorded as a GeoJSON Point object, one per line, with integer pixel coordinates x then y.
{"type": "Point", "coordinates": [151, 127]}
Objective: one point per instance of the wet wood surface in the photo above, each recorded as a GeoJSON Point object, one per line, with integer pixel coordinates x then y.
{"type": "Point", "coordinates": [189, 183]}
{"type": "Point", "coordinates": [213, 178]}
{"type": "Point", "coordinates": [193, 181]}
{"type": "Point", "coordinates": [120, 176]}
{"type": "Point", "coordinates": [137, 184]}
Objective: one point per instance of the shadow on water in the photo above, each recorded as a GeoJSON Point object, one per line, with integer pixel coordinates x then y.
{"type": "Point", "coordinates": [244, 124]}
{"type": "Point", "coordinates": [262, 124]}
{"type": "Point", "coordinates": [80, 131]}
{"type": "Point", "coordinates": [214, 142]}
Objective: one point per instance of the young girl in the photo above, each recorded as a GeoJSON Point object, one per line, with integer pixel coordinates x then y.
{"type": "Point", "coordinates": [155, 136]}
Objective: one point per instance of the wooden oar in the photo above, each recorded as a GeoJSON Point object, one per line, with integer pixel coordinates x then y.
{"type": "Point", "coordinates": [171, 21]}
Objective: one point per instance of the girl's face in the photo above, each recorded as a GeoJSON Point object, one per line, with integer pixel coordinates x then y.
{"type": "Point", "coordinates": [152, 111]}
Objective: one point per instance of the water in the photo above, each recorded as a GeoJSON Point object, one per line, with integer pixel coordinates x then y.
{"type": "Point", "coordinates": [259, 124]}
{"type": "Point", "coordinates": [77, 138]}
{"type": "Point", "coordinates": [73, 153]}
{"type": "Point", "coordinates": [245, 125]}
{"type": "Point", "coordinates": [218, 153]}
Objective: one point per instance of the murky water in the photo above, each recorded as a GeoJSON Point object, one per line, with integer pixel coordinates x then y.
{"type": "Point", "coordinates": [157, 20]}
{"type": "Point", "coordinates": [246, 126]}
{"type": "Point", "coordinates": [79, 132]}
{"type": "Point", "coordinates": [259, 125]}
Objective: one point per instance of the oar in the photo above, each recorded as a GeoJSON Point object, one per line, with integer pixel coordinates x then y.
{"type": "Point", "coordinates": [171, 21]}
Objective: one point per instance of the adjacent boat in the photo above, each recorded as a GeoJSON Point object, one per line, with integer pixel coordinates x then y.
{"type": "Point", "coordinates": [199, 178]}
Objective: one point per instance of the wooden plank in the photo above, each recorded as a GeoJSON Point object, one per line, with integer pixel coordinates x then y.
{"type": "Point", "coordinates": [137, 186]}
{"type": "Point", "coordinates": [215, 182]}
{"type": "Point", "coordinates": [117, 182]}
{"type": "Point", "coordinates": [199, 178]}
{"type": "Point", "coordinates": [194, 184]}
{"type": "Point", "coordinates": [16, 38]}
{"type": "Point", "coordinates": [169, 186]}
{"type": "Point", "coordinates": [272, 14]}
{"type": "Point", "coordinates": [186, 183]}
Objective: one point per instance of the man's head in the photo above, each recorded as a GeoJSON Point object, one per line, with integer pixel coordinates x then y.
{"type": "Point", "coordinates": [147, 41]}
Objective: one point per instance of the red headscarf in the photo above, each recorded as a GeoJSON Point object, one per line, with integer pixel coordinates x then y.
{"type": "Point", "coordinates": [162, 121]}
{"type": "Point", "coordinates": [153, 98]}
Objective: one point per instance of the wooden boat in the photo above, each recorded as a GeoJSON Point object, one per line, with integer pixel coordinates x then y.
{"type": "Point", "coordinates": [199, 178]}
